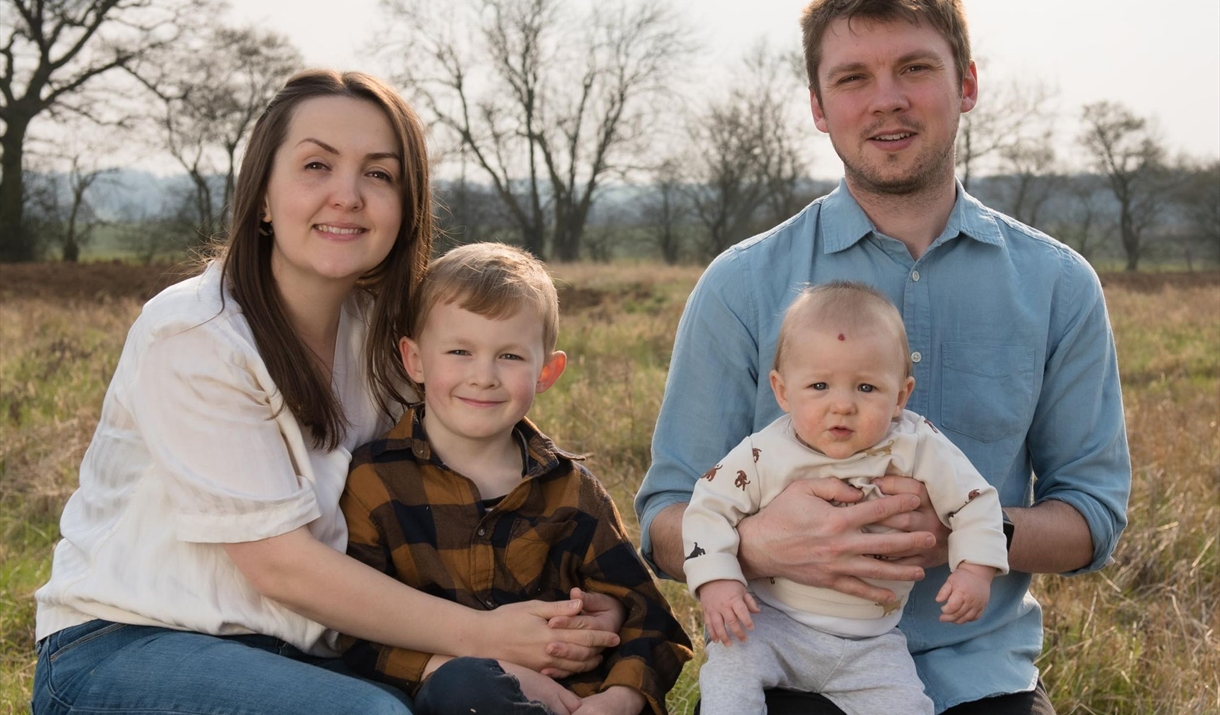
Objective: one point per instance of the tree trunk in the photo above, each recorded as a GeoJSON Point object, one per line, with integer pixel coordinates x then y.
{"type": "Point", "coordinates": [1131, 240]}
{"type": "Point", "coordinates": [534, 238]}
{"type": "Point", "coordinates": [569, 232]}
{"type": "Point", "coordinates": [16, 241]}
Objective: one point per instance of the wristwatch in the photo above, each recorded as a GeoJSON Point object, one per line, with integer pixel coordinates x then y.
{"type": "Point", "coordinates": [1008, 530]}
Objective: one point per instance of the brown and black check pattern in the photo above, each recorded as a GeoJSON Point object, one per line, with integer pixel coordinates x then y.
{"type": "Point", "coordinates": [413, 518]}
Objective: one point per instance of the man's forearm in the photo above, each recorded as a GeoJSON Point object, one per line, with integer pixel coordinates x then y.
{"type": "Point", "coordinates": [1049, 537]}
{"type": "Point", "coordinates": [667, 547]}
{"type": "Point", "coordinates": [666, 533]}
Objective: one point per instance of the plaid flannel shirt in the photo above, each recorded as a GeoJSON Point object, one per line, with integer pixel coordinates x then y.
{"type": "Point", "coordinates": [410, 516]}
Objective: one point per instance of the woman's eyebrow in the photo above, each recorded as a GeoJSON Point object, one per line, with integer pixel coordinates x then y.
{"type": "Point", "coordinates": [371, 155]}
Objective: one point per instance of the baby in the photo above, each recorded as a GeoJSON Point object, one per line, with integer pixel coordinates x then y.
{"type": "Point", "coordinates": [842, 375]}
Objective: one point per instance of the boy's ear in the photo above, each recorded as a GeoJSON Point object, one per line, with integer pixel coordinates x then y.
{"type": "Point", "coordinates": [551, 371]}
{"type": "Point", "coordinates": [779, 390]}
{"type": "Point", "coordinates": [411, 359]}
{"type": "Point", "coordinates": [904, 394]}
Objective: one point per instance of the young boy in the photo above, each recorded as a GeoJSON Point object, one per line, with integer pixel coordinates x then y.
{"type": "Point", "coordinates": [842, 373]}
{"type": "Point", "coordinates": [466, 499]}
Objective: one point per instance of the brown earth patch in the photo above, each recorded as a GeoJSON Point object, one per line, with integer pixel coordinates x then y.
{"type": "Point", "coordinates": [69, 282]}
{"type": "Point", "coordinates": [1156, 282]}
{"type": "Point", "coordinates": [115, 279]}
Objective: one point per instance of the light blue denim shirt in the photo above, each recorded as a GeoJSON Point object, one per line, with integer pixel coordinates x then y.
{"type": "Point", "coordinates": [1013, 359]}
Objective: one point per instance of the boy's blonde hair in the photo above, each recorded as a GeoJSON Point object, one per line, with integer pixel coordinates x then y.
{"type": "Point", "coordinates": [493, 280]}
{"type": "Point", "coordinates": [843, 302]}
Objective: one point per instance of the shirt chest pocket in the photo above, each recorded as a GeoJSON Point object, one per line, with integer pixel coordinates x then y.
{"type": "Point", "coordinates": [531, 549]}
{"type": "Point", "coordinates": [987, 391]}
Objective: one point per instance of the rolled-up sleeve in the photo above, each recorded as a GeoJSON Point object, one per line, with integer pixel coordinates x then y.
{"type": "Point", "coordinates": [1078, 438]}
{"type": "Point", "coordinates": [210, 424]}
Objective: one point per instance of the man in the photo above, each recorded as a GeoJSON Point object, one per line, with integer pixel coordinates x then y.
{"type": "Point", "coordinates": [1013, 359]}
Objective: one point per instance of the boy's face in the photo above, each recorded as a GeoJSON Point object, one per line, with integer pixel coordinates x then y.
{"type": "Point", "coordinates": [842, 386]}
{"type": "Point", "coordinates": [480, 375]}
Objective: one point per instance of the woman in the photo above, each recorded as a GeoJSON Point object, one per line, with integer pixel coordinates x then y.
{"type": "Point", "coordinates": [201, 562]}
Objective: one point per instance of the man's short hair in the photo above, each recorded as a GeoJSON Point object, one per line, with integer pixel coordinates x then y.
{"type": "Point", "coordinates": [944, 16]}
{"type": "Point", "coordinates": [493, 280]}
{"type": "Point", "coordinates": [843, 303]}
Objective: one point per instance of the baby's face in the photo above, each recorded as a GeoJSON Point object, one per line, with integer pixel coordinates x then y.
{"type": "Point", "coordinates": [842, 387]}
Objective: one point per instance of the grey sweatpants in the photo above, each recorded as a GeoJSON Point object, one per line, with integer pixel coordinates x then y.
{"type": "Point", "coordinates": [865, 676]}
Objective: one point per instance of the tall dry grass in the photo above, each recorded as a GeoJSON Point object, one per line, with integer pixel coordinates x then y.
{"type": "Point", "coordinates": [1139, 637]}
{"type": "Point", "coordinates": [55, 362]}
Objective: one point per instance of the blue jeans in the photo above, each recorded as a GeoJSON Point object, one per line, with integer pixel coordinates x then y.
{"type": "Point", "coordinates": [474, 685]}
{"type": "Point", "coordinates": [103, 667]}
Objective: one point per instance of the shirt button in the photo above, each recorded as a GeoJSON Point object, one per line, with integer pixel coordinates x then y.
{"type": "Point", "coordinates": [915, 276]}
{"type": "Point", "coordinates": [916, 357]}
{"type": "Point", "coordinates": [482, 531]}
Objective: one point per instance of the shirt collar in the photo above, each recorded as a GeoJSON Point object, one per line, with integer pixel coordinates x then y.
{"type": "Point", "coordinates": [843, 223]}
{"type": "Point", "coordinates": [541, 453]}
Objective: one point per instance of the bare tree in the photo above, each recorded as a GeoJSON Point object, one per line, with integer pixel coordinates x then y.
{"type": "Point", "coordinates": [1082, 220]}
{"type": "Point", "coordinates": [747, 159]}
{"type": "Point", "coordinates": [1030, 177]}
{"type": "Point", "coordinates": [64, 216]}
{"type": "Point", "coordinates": [1197, 195]}
{"type": "Point", "coordinates": [1125, 149]}
{"type": "Point", "coordinates": [469, 211]}
{"type": "Point", "coordinates": [166, 230]}
{"type": "Point", "coordinates": [664, 209]}
{"type": "Point", "coordinates": [212, 88]}
{"type": "Point", "coordinates": [545, 103]}
{"type": "Point", "coordinates": [53, 53]}
{"type": "Point", "coordinates": [1001, 121]}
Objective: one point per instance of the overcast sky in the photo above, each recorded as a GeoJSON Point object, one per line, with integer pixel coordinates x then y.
{"type": "Point", "coordinates": [1162, 63]}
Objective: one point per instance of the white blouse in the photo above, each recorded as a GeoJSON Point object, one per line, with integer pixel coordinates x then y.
{"type": "Point", "coordinates": [195, 449]}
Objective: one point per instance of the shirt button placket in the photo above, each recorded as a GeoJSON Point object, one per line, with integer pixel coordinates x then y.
{"type": "Point", "coordinates": [917, 318]}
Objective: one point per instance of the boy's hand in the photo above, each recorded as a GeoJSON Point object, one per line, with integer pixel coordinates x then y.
{"type": "Point", "coordinates": [965, 593]}
{"type": "Point", "coordinates": [726, 607]}
{"type": "Point", "coordinates": [536, 686]}
{"type": "Point", "coordinates": [599, 612]}
{"type": "Point", "coordinates": [518, 632]}
{"type": "Point", "coordinates": [615, 700]}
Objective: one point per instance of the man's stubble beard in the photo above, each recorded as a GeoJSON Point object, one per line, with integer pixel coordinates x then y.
{"type": "Point", "coordinates": [929, 172]}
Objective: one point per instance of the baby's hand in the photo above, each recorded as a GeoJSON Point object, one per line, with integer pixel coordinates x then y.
{"type": "Point", "coordinates": [965, 593]}
{"type": "Point", "coordinates": [726, 606]}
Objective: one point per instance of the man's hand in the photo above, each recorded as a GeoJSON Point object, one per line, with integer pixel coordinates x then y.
{"type": "Point", "coordinates": [727, 606]}
{"type": "Point", "coordinates": [599, 612]}
{"type": "Point", "coordinates": [801, 536]}
{"type": "Point", "coordinates": [922, 519]}
{"type": "Point", "coordinates": [966, 593]}
{"type": "Point", "coordinates": [536, 686]}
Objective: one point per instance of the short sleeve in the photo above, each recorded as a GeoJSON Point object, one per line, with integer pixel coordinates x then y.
{"type": "Point", "coordinates": [208, 413]}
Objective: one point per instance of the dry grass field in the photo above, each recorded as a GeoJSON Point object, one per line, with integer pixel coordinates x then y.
{"type": "Point", "coordinates": [1139, 637]}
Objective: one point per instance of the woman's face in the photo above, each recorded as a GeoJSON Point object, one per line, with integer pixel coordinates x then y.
{"type": "Point", "coordinates": [333, 197]}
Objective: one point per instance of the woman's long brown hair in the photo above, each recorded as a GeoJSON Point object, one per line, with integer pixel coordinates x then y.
{"type": "Point", "coordinates": [391, 285]}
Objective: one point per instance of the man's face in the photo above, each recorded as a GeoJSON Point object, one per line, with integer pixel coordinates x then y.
{"type": "Point", "coordinates": [891, 100]}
